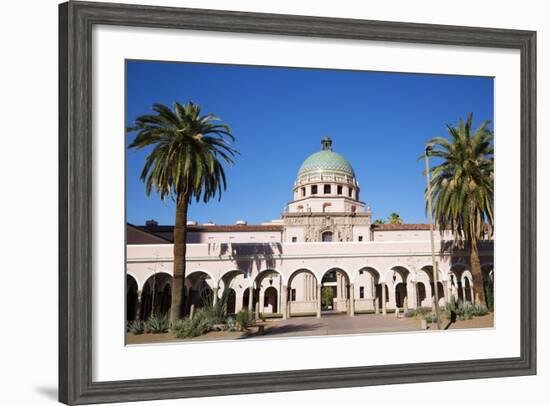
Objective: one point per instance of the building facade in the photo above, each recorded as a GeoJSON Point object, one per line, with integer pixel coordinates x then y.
{"type": "Point", "coordinates": [325, 240]}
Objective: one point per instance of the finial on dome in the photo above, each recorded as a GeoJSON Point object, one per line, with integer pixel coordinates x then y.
{"type": "Point", "coordinates": [326, 143]}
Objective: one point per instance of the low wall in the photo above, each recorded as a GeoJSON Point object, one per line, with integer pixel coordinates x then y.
{"type": "Point", "coordinates": [303, 307]}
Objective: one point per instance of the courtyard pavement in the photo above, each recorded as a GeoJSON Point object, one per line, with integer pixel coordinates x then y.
{"type": "Point", "coordinates": [332, 324]}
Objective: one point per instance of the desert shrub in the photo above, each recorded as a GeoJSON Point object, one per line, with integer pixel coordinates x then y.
{"type": "Point", "coordinates": [217, 312]}
{"type": "Point", "coordinates": [200, 324]}
{"type": "Point", "coordinates": [430, 317]}
{"type": "Point", "coordinates": [134, 327]}
{"type": "Point", "coordinates": [231, 324]}
{"type": "Point", "coordinates": [245, 318]}
{"type": "Point", "coordinates": [157, 324]}
{"type": "Point", "coordinates": [479, 310]}
{"type": "Point", "coordinates": [466, 311]}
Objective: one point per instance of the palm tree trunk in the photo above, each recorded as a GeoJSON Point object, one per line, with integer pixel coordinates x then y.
{"type": "Point", "coordinates": [180, 247]}
{"type": "Point", "coordinates": [479, 291]}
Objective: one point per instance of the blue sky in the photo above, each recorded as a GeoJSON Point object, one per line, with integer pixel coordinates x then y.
{"type": "Point", "coordinates": [378, 121]}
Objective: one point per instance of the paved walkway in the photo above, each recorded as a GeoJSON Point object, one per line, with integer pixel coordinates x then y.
{"type": "Point", "coordinates": [333, 324]}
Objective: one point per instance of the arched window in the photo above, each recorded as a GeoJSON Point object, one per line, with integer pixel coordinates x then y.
{"type": "Point", "coordinates": [327, 236]}
{"type": "Point", "coordinates": [326, 207]}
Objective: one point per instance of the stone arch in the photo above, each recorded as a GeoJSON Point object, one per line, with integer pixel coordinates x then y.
{"type": "Point", "coordinates": [336, 284]}
{"type": "Point", "coordinates": [298, 271]}
{"type": "Point", "coordinates": [131, 298]}
{"type": "Point", "coordinates": [153, 295]}
{"type": "Point", "coordinates": [440, 288]}
{"type": "Point", "coordinates": [231, 301]}
{"type": "Point", "coordinates": [266, 278]}
{"type": "Point", "coordinates": [302, 292]}
{"type": "Point", "coordinates": [204, 271]}
{"type": "Point", "coordinates": [239, 281]}
{"type": "Point", "coordinates": [270, 300]}
{"type": "Point", "coordinates": [401, 279]}
{"type": "Point", "coordinates": [367, 284]}
{"type": "Point", "coordinates": [200, 286]}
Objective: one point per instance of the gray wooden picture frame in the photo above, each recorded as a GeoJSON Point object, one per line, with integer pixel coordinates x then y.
{"type": "Point", "coordinates": [76, 20]}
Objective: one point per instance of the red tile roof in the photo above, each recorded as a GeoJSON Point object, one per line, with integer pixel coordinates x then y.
{"type": "Point", "coordinates": [400, 227]}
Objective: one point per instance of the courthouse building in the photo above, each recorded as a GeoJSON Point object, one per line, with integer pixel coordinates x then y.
{"type": "Point", "coordinates": [324, 239]}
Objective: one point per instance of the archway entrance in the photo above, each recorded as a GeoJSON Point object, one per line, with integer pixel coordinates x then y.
{"type": "Point", "coordinates": [156, 296]}
{"type": "Point", "coordinates": [231, 301]}
{"type": "Point", "coordinates": [335, 291]}
{"type": "Point", "coordinates": [302, 295]}
{"type": "Point", "coordinates": [131, 298]}
{"type": "Point", "coordinates": [199, 290]}
{"type": "Point", "coordinates": [269, 285]}
{"type": "Point", "coordinates": [400, 279]}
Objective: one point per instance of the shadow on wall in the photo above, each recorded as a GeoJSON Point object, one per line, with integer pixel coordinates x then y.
{"type": "Point", "coordinates": [461, 255]}
{"type": "Point", "coordinates": [247, 256]}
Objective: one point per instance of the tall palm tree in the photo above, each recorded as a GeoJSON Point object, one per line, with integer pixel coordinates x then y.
{"type": "Point", "coordinates": [395, 218]}
{"type": "Point", "coordinates": [462, 189]}
{"type": "Point", "coordinates": [185, 163]}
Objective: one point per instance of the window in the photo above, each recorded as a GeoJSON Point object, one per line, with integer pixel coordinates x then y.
{"type": "Point", "coordinates": [339, 189]}
{"type": "Point", "coordinates": [293, 295]}
{"type": "Point", "coordinates": [350, 192]}
{"type": "Point", "coordinates": [360, 238]}
{"type": "Point", "coordinates": [294, 239]}
{"type": "Point", "coordinates": [314, 190]}
{"type": "Point", "coordinates": [327, 236]}
{"type": "Point", "coordinates": [303, 191]}
{"type": "Point", "coordinates": [362, 292]}
{"type": "Point", "coordinates": [326, 189]}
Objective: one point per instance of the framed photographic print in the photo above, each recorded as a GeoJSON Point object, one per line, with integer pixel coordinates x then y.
{"type": "Point", "coordinates": [259, 202]}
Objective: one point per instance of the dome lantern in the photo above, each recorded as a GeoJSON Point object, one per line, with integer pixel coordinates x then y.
{"type": "Point", "coordinates": [326, 143]}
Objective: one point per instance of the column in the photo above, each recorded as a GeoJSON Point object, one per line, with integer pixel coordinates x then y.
{"type": "Point", "coordinates": [284, 302]}
{"type": "Point", "coordinates": [318, 301]}
{"type": "Point", "coordinates": [261, 292]}
{"type": "Point", "coordinates": [472, 292]}
{"type": "Point", "coordinates": [215, 296]}
{"type": "Point", "coordinates": [138, 305]}
{"type": "Point", "coordinates": [392, 292]}
{"type": "Point", "coordinates": [463, 291]}
{"type": "Point", "coordinates": [384, 310]}
{"type": "Point", "coordinates": [250, 297]}
{"type": "Point", "coordinates": [352, 300]}
{"type": "Point", "coordinates": [411, 293]}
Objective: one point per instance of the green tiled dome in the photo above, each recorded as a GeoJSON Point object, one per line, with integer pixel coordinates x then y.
{"type": "Point", "coordinates": [326, 160]}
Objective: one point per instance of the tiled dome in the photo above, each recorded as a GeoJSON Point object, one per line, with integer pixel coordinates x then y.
{"type": "Point", "coordinates": [326, 161]}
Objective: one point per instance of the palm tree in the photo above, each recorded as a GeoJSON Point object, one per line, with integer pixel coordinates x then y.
{"type": "Point", "coordinates": [462, 189]}
{"type": "Point", "coordinates": [395, 218]}
{"type": "Point", "coordinates": [184, 164]}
